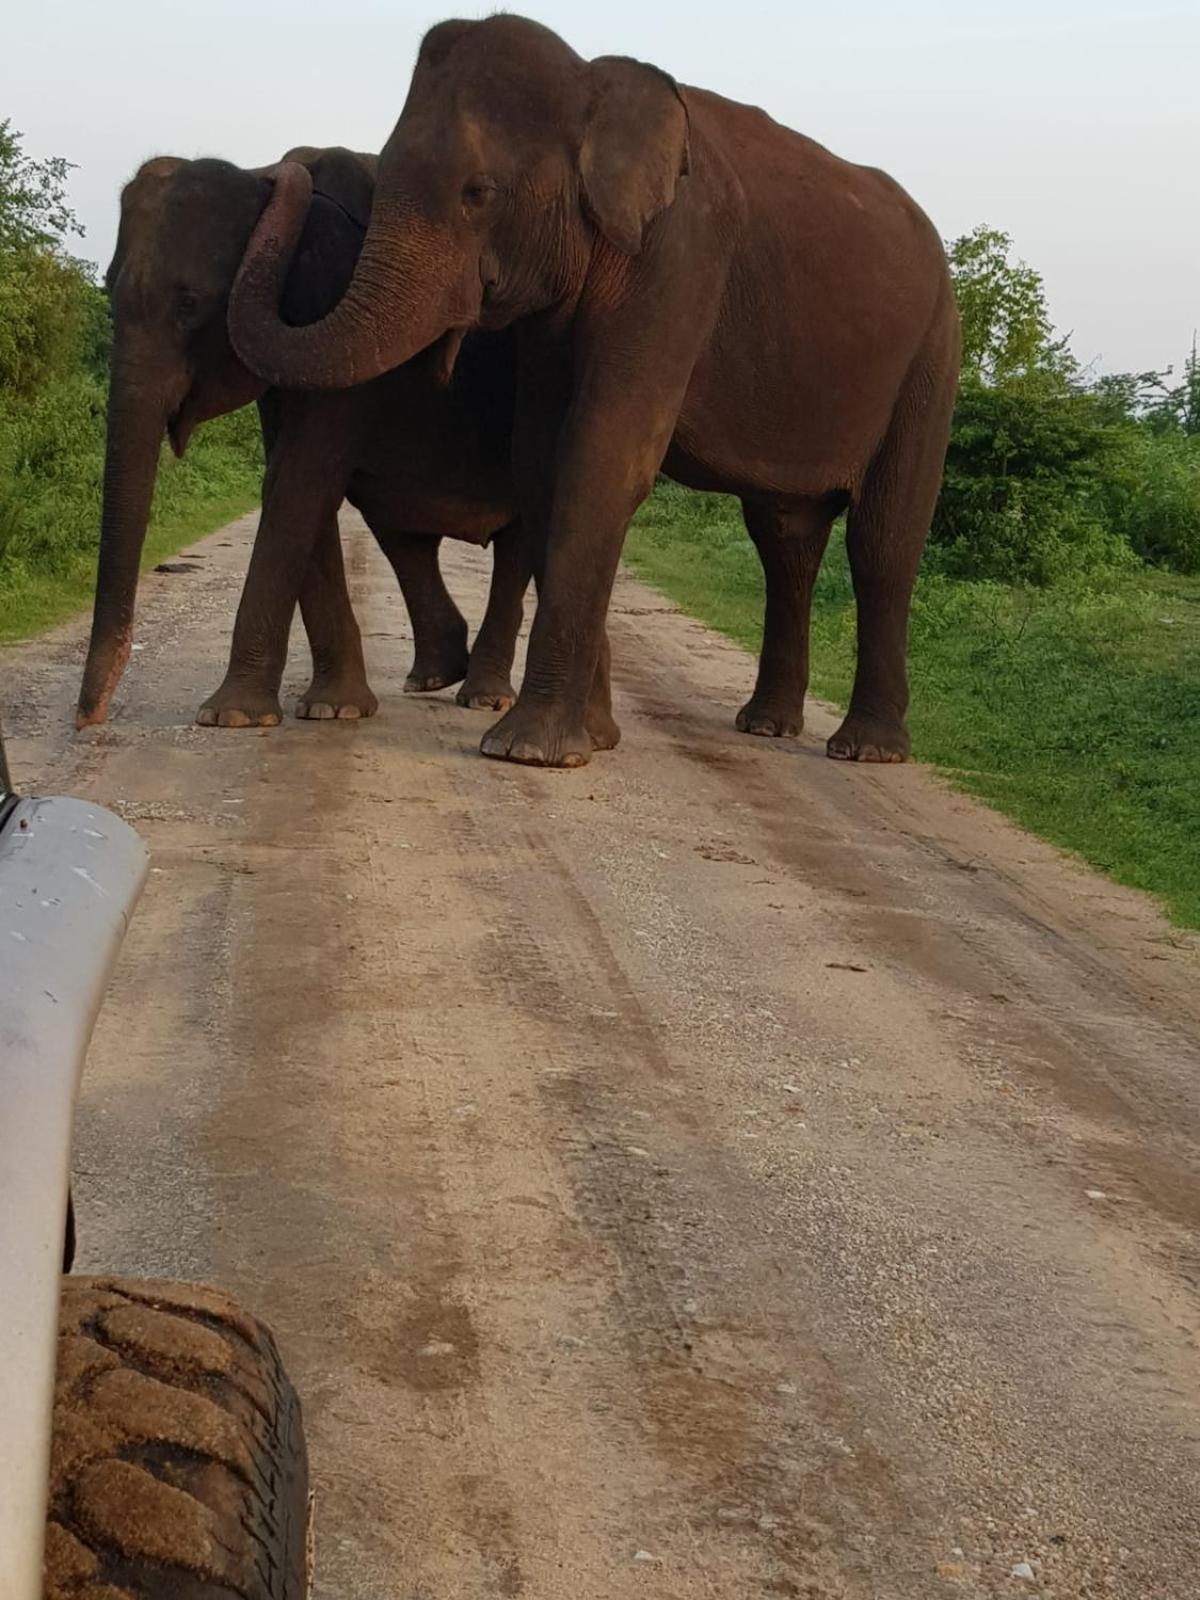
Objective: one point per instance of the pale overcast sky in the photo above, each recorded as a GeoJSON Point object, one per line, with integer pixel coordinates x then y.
{"type": "Point", "coordinates": [1072, 124]}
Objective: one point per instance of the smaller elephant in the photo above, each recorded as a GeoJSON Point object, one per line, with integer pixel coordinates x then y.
{"type": "Point", "coordinates": [421, 459]}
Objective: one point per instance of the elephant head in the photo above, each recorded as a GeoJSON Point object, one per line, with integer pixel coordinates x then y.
{"type": "Point", "coordinates": [183, 230]}
{"type": "Point", "coordinates": [512, 163]}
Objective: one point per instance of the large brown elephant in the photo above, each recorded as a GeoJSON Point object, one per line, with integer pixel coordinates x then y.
{"type": "Point", "coordinates": [420, 460]}
{"type": "Point", "coordinates": [695, 288]}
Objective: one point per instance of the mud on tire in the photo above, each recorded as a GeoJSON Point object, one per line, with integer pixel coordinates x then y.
{"type": "Point", "coordinates": [178, 1467]}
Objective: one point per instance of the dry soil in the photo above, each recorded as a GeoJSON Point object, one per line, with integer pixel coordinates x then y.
{"type": "Point", "coordinates": [717, 1173]}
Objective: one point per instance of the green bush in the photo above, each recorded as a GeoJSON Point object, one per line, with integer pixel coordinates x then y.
{"type": "Point", "coordinates": [1051, 477]}
{"type": "Point", "coordinates": [51, 470]}
{"type": "Point", "coordinates": [45, 303]}
{"type": "Point", "coordinates": [1023, 499]}
{"type": "Point", "coordinates": [52, 474]}
{"type": "Point", "coordinates": [49, 305]}
{"type": "Point", "coordinates": [1153, 496]}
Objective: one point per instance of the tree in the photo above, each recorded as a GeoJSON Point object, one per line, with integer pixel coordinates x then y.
{"type": "Point", "coordinates": [33, 207]}
{"type": "Point", "coordinates": [1151, 397]}
{"type": "Point", "coordinates": [1178, 407]}
{"type": "Point", "coordinates": [48, 302]}
{"type": "Point", "coordinates": [1006, 327]}
{"type": "Point", "coordinates": [1030, 445]}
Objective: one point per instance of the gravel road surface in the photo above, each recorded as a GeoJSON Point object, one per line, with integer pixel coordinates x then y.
{"type": "Point", "coordinates": [716, 1173]}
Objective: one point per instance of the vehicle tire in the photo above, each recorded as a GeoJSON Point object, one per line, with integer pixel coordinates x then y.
{"type": "Point", "coordinates": [178, 1468]}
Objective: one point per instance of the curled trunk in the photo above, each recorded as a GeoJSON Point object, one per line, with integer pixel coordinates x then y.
{"type": "Point", "coordinates": [135, 431]}
{"type": "Point", "coordinates": [405, 294]}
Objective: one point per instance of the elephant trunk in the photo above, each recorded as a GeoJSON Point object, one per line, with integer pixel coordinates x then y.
{"type": "Point", "coordinates": [401, 299]}
{"type": "Point", "coordinates": [137, 415]}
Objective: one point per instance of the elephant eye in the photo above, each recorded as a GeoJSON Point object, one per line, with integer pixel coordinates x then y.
{"type": "Point", "coordinates": [186, 303]}
{"type": "Point", "coordinates": [477, 192]}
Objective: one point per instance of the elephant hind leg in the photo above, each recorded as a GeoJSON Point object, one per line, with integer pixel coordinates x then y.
{"type": "Point", "coordinates": [790, 544]}
{"type": "Point", "coordinates": [488, 684]}
{"type": "Point", "coordinates": [885, 537]}
{"type": "Point", "coordinates": [439, 627]}
{"type": "Point", "coordinates": [339, 687]}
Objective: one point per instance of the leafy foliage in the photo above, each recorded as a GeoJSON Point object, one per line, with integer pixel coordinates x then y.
{"type": "Point", "coordinates": [1165, 407]}
{"type": "Point", "coordinates": [1023, 499]}
{"type": "Point", "coordinates": [34, 213]}
{"type": "Point", "coordinates": [47, 297]}
{"type": "Point", "coordinates": [1006, 329]}
{"type": "Point", "coordinates": [1153, 496]}
{"type": "Point", "coordinates": [52, 474]}
{"type": "Point", "coordinates": [1050, 476]}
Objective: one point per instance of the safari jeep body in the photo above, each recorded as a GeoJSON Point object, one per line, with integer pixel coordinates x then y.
{"type": "Point", "coordinates": [109, 1483]}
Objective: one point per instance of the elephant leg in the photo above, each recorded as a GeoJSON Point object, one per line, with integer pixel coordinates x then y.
{"type": "Point", "coordinates": [601, 727]}
{"type": "Point", "coordinates": [439, 627]}
{"type": "Point", "coordinates": [885, 536]}
{"type": "Point", "coordinates": [302, 489]}
{"type": "Point", "coordinates": [790, 545]}
{"type": "Point", "coordinates": [563, 711]}
{"type": "Point", "coordinates": [598, 718]}
{"type": "Point", "coordinates": [488, 684]}
{"type": "Point", "coordinates": [586, 449]}
{"type": "Point", "coordinates": [339, 686]}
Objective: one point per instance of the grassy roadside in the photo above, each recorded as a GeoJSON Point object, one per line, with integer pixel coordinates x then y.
{"type": "Point", "coordinates": [33, 602]}
{"type": "Point", "coordinates": [1074, 711]}
{"type": "Point", "coordinates": [51, 479]}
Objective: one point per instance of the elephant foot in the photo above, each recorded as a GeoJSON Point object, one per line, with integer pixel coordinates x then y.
{"type": "Point", "coordinates": [241, 705]}
{"type": "Point", "coordinates": [863, 738]}
{"type": "Point", "coordinates": [486, 689]}
{"type": "Point", "coordinates": [602, 728]}
{"type": "Point", "coordinates": [344, 700]}
{"type": "Point", "coordinates": [439, 667]}
{"type": "Point", "coordinates": [538, 736]}
{"type": "Point", "coordinates": [770, 720]}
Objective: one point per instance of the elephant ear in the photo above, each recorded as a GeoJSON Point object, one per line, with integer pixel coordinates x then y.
{"type": "Point", "coordinates": [343, 176]}
{"type": "Point", "coordinates": [635, 148]}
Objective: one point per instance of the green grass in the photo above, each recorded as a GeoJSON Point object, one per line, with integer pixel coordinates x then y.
{"type": "Point", "coordinates": [31, 601]}
{"type": "Point", "coordinates": [1076, 711]}
{"type": "Point", "coordinates": [51, 478]}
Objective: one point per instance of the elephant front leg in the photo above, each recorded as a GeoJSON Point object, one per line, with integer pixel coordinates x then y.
{"type": "Point", "coordinates": [439, 627]}
{"type": "Point", "coordinates": [564, 712]}
{"type": "Point", "coordinates": [602, 728]}
{"type": "Point", "coordinates": [248, 695]}
{"type": "Point", "coordinates": [302, 489]}
{"type": "Point", "coordinates": [488, 684]}
{"type": "Point", "coordinates": [595, 415]}
{"type": "Point", "coordinates": [339, 687]}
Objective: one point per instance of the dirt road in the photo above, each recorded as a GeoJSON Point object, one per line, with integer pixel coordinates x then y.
{"type": "Point", "coordinates": [717, 1173]}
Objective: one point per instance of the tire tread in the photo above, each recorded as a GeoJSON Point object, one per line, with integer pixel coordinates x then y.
{"type": "Point", "coordinates": [178, 1467]}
